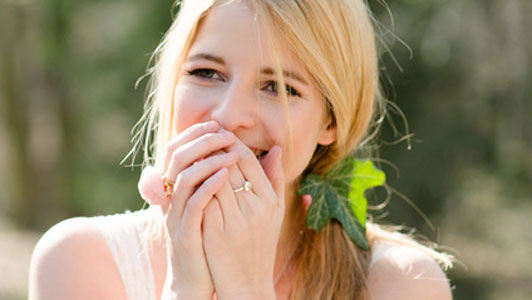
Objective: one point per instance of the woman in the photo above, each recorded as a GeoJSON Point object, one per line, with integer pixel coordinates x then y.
{"type": "Point", "coordinates": [248, 97]}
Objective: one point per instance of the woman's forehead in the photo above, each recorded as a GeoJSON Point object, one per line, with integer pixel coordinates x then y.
{"type": "Point", "coordinates": [231, 32]}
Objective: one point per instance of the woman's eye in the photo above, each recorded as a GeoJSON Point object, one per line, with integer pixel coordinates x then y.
{"type": "Point", "coordinates": [203, 73]}
{"type": "Point", "coordinates": [290, 91]}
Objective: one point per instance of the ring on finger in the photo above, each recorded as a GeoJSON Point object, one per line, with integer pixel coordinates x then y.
{"type": "Point", "coordinates": [246, 187]}
{"type": "Point", "coordinates": [168, 186]}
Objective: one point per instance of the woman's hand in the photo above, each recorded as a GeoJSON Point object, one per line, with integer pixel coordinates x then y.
{"type": "Point", "coordinates": [198, 173]}
{"type": "Point", "coordinates": [241, 229]}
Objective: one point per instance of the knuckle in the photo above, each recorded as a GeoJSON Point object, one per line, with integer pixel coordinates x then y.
{"type": "Point", "coordinates": [210, 187]}
{"type": "Point", "coordinates": [211, 138]}
{"type": "Point", "coordinates": [214, 181]}
{"type": "Point", "coordinates": [176, 153]}
{"type": "Point", "coordinates": [216, 138]}
{"type": "Point", "coordinates": [169, 147]}
{"type": "Point", "coordinates": [196, 128]}
{"type": "Point", "coordinates": [193, 207]}
{"type": "Point", "coordinates": [219, 152]}
{"type": "Point", "coordinates": [192, 129]}
{"type": "Point", "coordinates": [215, 159]}
{"type": "Point", "coordinates": [185, 178]}
{"type": "Point", "coordinates": [247, 156]}
{"type": "Point", "coordinates": [181, 180]}
{"type": "Point", "coordinates": [205, 127]}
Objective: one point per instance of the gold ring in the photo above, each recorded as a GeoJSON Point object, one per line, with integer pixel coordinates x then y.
{"type": "Point", "coordinates": [246, 187]}
{"type": "Point", "coordinates": [168, 186]}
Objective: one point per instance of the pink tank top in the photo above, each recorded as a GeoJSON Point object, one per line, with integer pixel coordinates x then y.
{"type": "Point", "coordinates": [122, 233]}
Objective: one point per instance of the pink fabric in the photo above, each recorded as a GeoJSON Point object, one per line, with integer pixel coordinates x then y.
{"type": "Point", "coordinates": [151, 186]}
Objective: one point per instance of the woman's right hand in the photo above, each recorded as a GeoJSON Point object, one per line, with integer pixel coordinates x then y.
{"type": "Point", "coordinates": [195, 162]}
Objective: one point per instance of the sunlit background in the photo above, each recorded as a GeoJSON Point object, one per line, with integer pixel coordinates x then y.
{"type": "Point", "coordinates": [461, 73]}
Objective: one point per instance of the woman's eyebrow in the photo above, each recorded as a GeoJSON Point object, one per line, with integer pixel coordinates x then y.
{"type": "Point", "coordinates": [293, 75]}
{"type": "Point", "coordinates": [206, 56]}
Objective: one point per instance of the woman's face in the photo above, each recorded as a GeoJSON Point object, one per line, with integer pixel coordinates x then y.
{"type": "Point", "coordinates": [228, 77]}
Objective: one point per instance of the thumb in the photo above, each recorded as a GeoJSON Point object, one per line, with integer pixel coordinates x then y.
{"type": "Point", "coordinates": [151, 186]}
{"type": "Point", "coordinates": [273, 167]}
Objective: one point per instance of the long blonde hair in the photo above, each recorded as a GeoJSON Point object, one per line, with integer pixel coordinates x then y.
{"type": "Point", "coordinates": [336, 41]}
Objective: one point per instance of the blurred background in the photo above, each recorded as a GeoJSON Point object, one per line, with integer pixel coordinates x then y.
{"type": "Point", "coordinates": [461, 73]}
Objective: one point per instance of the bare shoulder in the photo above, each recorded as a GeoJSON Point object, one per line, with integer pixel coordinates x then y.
{"type": "Point", "coordinates": [72, 261]}
{"type": "Point", "coordinates": [405, 272]}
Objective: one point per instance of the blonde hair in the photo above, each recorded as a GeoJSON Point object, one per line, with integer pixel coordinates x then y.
{"type": "Point", "coordinates": [335, 39]}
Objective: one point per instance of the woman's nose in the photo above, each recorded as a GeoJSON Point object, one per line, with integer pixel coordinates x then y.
{"type": "Point", "coordinates": [235, 108]}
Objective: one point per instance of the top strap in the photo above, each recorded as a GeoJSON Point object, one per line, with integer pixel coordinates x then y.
{"type": "Point", "coordinates": [122, 233]}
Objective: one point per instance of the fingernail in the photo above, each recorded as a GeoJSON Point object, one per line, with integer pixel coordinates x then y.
{"type": "Point", "coordinates": [212, 124]}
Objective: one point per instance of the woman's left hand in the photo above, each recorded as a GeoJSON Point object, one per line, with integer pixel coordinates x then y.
{"type": "Point", "coordinates": [241, 229]}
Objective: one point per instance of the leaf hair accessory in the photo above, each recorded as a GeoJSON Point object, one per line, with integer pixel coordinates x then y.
{"type": "Point", "coordinates": [340, 195]}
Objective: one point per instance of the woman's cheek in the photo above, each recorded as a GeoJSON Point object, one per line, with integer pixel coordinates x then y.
{"type": "Point", "coordinates": [190, 106]}
{"type": "Point", "coordinates": [304, 146]}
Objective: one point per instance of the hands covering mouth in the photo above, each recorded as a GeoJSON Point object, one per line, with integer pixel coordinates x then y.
{"type": "Point", "coordinates": [151, 187]}
{"type": "Point", "coordinates": [214, 226]}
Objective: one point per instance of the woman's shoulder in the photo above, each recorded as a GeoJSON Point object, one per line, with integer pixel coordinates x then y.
{"type": "Point", "coordinates": [401, 268]}
{"type": "Point", "coordinates": [72, 261]}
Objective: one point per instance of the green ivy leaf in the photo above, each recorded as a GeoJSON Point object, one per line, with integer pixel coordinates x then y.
{"type": "Point", "coordinates": [365, 176]}
{"type": "Point", "coordinates": [340, 195]}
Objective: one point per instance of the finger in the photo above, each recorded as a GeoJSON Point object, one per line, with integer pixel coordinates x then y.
{"type": "Point", "coordinates": [195, 150]}
{"type": "Point", "coordinates": [194, 175]}
{"type": "Point", "coordinates": [189, 134]}
{"type": "Point", "coordinates": [193, 212]}
{"type": "Point", "coordinates": [212, 217]}
{"type": "Point", "coordinates": [247, 202]}
{"type": "Point", "coordinates": [273, 167]}
{"type": "Point", "coordinates": [250, 168]}
{"type": "Point", "coordinates": [236, 179]}
{"type": "Point", "coordinates": [228, 203]}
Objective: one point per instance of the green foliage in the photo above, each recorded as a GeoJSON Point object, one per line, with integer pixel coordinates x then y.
{"type": "Point", "coordinates": [365, 176]}
{"type": "Point", "coordinates": [340, 195]}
